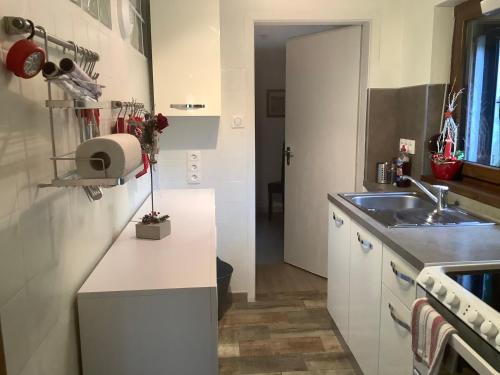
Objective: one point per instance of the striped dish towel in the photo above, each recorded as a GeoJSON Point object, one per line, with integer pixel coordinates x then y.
{"type": "Point", "coordinates": [430, 334]}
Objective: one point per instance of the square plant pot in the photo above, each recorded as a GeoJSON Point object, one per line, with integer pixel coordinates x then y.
{"type": "Point", "coordinates": [152, 231]}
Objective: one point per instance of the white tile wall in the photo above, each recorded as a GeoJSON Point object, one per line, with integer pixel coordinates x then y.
{"type": "Point", "coordinates": [228, 162]}
{"type": "Point", "coordinates": [51, 239]}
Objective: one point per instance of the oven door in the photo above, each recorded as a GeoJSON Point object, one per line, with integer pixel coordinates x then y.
{"type": "Point", "coordinates": [459, 357]}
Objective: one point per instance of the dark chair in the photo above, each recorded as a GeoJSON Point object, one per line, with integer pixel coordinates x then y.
{"type": "Point", "coordinates": [277, 187]}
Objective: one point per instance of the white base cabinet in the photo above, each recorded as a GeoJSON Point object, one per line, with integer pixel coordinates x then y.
{"type": "Point", "coordinates": [364, 298]}
{"type": "Point", "coordinates": [370, 293]}
{"type": "Point", "coordinates": [339, 242]}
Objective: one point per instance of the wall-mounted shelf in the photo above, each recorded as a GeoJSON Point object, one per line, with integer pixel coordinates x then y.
{"type": "Point", "coordinates": [74, 104]}
{"type": "Point", "coordinates": [73, 180]}
{"type": "Point", "coordinates": [86, 59]}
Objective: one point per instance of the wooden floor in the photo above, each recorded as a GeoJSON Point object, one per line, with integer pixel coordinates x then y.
{"type": "Point", "coordinates": [282, 277]}
{"type": "Point", "coordinates": [287, 331]}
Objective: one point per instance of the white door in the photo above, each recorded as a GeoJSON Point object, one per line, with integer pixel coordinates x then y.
{"type": "Point", "coordinates": [322, 98]}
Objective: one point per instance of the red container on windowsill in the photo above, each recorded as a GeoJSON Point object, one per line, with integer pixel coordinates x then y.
{"type": "Point", "coordinates": [446, 171]}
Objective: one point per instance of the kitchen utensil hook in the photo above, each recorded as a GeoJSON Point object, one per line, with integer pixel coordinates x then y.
{"type": "Point", "coordinates": [75, 49]}
{"type": "Point", "coordinates": [32, 30]}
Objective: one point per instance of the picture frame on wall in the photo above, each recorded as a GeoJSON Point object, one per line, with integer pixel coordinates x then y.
{"type": "Point", "coordinates": [276, 103]}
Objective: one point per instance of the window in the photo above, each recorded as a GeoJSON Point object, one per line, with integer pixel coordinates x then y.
{"type": "Point", "coordinates": [481, 109]}
{"type": "Point", "coordinates": [140, 38]}
{"type": "Point", "coordinates": [99, 9]}
{"type": "Point", "coordinates": [475, 66]}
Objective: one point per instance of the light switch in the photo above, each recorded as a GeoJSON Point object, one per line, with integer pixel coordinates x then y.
{"type": "Point", "coordinates": [409, 145]}
{"type": "Point", "coordinates": [237, 122]}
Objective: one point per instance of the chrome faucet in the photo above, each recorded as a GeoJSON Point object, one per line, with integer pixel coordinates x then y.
{"type": "Point", "coordinates": [441, 198]}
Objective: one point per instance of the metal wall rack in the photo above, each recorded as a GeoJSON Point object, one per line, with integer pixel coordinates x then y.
{"type": "Point", "coordinates": [81, 55]}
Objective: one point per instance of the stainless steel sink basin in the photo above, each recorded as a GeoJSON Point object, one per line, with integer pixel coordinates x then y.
{"type": "Point", "coordinates": [390, 202]}
{"type": "Point", "coordinates": [404, 210]}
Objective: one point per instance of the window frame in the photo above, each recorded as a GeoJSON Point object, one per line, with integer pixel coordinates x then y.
{"type": "Point", "coordinates": [473, 174]}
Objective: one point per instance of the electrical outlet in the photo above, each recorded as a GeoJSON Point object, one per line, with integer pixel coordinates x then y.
{"type": "Point", "coordinates": [194, 155]}
{"type": "Point", "coordinates": [193, 166]}
{"type": "Point", "coordinates": [194, 178]}
{"type": "Point", "coordinates": [409, 145]}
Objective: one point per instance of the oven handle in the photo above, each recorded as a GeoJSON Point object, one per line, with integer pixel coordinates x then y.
{"type": "Point", "coordinates": [470, 356]}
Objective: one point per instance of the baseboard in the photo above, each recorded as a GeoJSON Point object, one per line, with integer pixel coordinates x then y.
{"type": "Point", "coordinates": [240, 297]}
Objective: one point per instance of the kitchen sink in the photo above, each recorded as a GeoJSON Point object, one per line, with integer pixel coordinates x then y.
{"type": "Point", "coordinates": [407, 210]}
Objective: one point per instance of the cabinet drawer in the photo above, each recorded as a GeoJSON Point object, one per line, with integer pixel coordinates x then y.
{"type": "Point", "coordinates": [395, 356]}
{"type": "Point", "coordinates": [399, 277]}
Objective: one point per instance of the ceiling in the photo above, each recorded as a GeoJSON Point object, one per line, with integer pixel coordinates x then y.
{"type": "Point", "coordinates": [276, 36]}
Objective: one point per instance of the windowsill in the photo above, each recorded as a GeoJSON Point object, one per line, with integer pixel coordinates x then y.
{"type": "Point", "coordinates": [483, 192]}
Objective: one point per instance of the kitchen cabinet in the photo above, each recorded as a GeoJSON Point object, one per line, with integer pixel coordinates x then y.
{"type": "Point", "coordinates": [339, 226]}
{"type": "Point", "coordinates": [370, 293]}
{"type": "Point", "coordinates": [150, 307]}
{"type": "Point", "coordinates": [185, 38]}
{"type": "Point", "coordinates": [365, 279]}
{"type": "Point", "coordinates": [395, 338]}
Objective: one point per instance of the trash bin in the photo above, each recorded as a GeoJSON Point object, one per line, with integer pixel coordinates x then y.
{"type": "Point", "coordinates": [224, 272]}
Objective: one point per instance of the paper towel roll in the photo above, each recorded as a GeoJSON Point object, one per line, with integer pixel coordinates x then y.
{"type": "Point", "coordinates": [121, 154]}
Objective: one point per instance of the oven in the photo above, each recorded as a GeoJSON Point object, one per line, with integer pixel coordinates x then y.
{"type": "Point", "coordinates": [468, 297]}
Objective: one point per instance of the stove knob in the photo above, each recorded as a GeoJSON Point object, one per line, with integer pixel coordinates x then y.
{"type": "Point", "coordinates": [452, 299]}
{"type": "Point", "coordinates": [439, 289]}
{"type": "Point", "coordinates": [488, 329]}
{"type": "Point", "coordinates": [427, 280]}
{"type": "Point", "coordinates": [475, 318]}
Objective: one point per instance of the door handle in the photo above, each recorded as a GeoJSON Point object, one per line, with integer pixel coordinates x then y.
{"type": "Point", "coordinates": [288, 155]}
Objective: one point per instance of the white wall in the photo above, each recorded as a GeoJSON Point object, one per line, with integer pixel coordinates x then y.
{"type": "Point", "coordinates": [270, 73]}
{"type": "Point", "coordinates": [229, 154]}
{"type": "Point", "coordinates": [52, 238]}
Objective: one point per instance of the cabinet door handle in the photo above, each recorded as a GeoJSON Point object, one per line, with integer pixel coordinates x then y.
{"type": "Point", "coordinates": [187, 107]}
{"type": "Point", "coordinates": [397, 320]}
{"type": "Point", "coordinates": [401, 275]}
{"type": "Point", "coordinates": [364, 243]}
{"type": "Point", "coordinates": [338, 221]}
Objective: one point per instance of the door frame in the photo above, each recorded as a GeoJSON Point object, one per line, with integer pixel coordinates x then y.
{"type": "Point", "coordinates": [249, 47]}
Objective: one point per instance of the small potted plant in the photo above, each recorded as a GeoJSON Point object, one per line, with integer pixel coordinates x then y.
{"type": "Point", "coordinates": [153, 226]}
{"type": "Point", "coordinates": [447, 160]}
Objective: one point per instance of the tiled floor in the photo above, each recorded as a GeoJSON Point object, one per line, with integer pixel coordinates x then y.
{"type": "Point", "coordinates": [287, 333]}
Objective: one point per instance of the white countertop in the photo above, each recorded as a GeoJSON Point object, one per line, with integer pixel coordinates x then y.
{"type": "Point", "coordinates": [184, 259]}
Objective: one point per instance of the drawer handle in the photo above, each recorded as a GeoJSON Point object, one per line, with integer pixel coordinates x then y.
{"type": "Point", "coordinates": [187, 107]}
{"type": "Point", "coordinates": [397, 320]}
{"type": "Point", "coordinates": [338, 221]}
{"type": "Point", "coordinates": [401, 275]}
{"type": "Point", "coordinates": [364, 243]}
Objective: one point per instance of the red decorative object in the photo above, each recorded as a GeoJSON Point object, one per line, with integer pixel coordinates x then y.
{"type": "Point", "coordinates": [25, 59]}
{"type": "Point", "coordinates": [161, 122]}
{"type": "Point", "coordinates": [447, 147]}
{"type": "Point", "coordinates": [447, 170]}
{"type": "Point", "coordinates": [145, 163]}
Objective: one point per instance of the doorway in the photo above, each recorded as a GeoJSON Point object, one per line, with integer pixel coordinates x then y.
{"type": "Point", "coordinates": [320, 72]}
{"type": "Point", "coordinates": [273, 274]}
